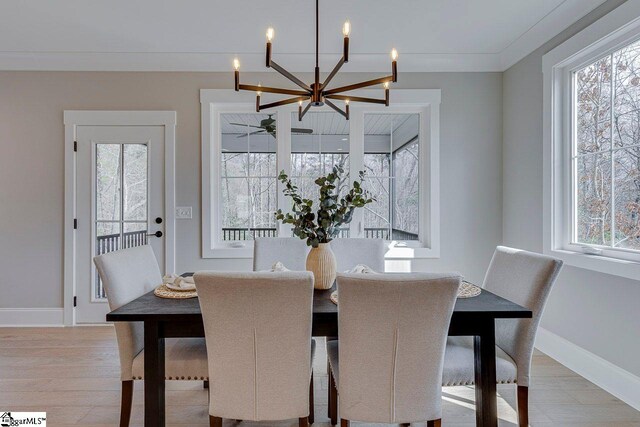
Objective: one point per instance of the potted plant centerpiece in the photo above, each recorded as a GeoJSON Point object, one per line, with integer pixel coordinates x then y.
{"type": "Point", "coordinates": [320, 224]}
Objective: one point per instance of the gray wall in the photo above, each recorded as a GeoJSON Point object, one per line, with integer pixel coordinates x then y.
{"type": "Point", "coordinates": [596, 311]}
{"type": "Point", "coordinates": [32, 167]}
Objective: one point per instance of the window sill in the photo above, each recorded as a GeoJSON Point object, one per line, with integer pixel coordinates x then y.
{"type": "Point", "coordinates": [599, 263]}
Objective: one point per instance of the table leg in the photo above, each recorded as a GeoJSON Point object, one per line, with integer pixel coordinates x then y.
{"type": "Point", "coordinates": [485, 372]}
{"type": "Point", "coordinates": [153, 375]}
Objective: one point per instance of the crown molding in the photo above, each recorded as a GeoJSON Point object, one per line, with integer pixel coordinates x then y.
{"type": "Point", "coordinates": [560, 18]}
{"type": "Point", "coordinates": [213, 62]}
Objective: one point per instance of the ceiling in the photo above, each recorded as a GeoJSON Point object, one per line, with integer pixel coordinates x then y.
{"type": "Point", "coordinates": [322, 123]}
{"type": "Point", "coordinates": [205, 35]}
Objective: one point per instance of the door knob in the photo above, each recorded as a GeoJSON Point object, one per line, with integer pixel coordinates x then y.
{"type": "Point", "coordinates": [157, 234]}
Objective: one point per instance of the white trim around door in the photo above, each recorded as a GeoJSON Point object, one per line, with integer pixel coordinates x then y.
{"type": "Point", "coordinates": [73, 119]}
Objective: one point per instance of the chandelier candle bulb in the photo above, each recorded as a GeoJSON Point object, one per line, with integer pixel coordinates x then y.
{"type": "Point", "coordinates": [386, 94]}
{"type": "Point", "coordinates": [394, 64]}
{"type": "Point", "coordinates": [236, 66]}
{"type": "Point", "coordinates": [258, 94]}
{"type": "Point", "coordinates": [346, 30]}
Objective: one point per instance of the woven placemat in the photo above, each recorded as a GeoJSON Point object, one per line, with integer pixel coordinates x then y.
{"type": "Point", "coordinates": [163, 292]}
{"type": "Point", "coordinates": [466, 290]}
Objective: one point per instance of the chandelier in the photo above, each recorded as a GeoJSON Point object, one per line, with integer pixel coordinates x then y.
{"type": "Point", "coordinates": [318, 93]}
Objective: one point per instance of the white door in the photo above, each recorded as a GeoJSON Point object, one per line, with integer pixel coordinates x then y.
{"type": "Point", "coordinates": [119, 203]}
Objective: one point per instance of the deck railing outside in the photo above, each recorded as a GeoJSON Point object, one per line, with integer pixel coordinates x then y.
{"type": "Point", "coordinates": [369, 233]}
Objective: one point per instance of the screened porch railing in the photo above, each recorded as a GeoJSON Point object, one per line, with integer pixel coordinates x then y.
{"type": "Point", "coordinates": [229, 233]}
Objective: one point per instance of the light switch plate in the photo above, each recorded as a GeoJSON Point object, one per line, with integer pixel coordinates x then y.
{"type": "Point", "coordinates": [183, 212]}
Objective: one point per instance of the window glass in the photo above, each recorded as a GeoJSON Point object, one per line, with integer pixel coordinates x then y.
{"type": "Point", "coordinates": [391, 162]}
{"type": "Point", "coordinates": [606, 151]}
{"type": "Point", "coordinates": [248, 171]}
{"type": "Point", "coordinates": [318, 143]}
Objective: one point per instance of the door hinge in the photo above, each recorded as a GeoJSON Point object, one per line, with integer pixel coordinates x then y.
{"type": "Point", "coordinates": [75, 223]}
{"type": "Point", "coordinates": [75, 145]}
{"type": "Point", "coordinates": [75, 301]}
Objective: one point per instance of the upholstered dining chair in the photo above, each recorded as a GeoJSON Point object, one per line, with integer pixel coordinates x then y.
{"type": "Point", "coordinates": [291, 251]}
{"type": "Point", "coordinates": [258, 331]}
{"type": "Point", "coordinates": [525, 278]}
{"type": "Point", "coordinates": [127, 274]}
{"type": "Point", "coordinates": [351, 252]}
{"type": "Point", "coordinates": [387, 364]}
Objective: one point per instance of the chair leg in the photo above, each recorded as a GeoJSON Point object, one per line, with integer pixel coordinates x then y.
{"type": "Point", "coordinates": [215, 421]}
{"type": "Point", "coordinates": [434, 423]}
{"type": "Point", "coordinates": [303, 422]}
{"type": "Point", "coordinates": [523, 406]}
{"type": "Point", "coordinates": [126, 402]}
{"type": "Point", "coordinates": [329, 390]}
{"type": "Point", "coordinates": [311, 405]}
{"type": "Point", "coordinates": [333, 400]}
{"type": "Point", "coordinates": [344, 423]}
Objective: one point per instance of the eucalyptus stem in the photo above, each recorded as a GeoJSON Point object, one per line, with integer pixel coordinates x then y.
{"type": "Point", "coordinates": [332, 211]}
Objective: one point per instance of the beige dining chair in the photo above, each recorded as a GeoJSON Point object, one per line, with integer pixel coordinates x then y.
{"type": "Point", "coordinates": [258, 332]}
{"type": "Point", "coordinates": [290, 251]}
{"type": "Point", "coordinates": [386, 366]}
{"type": "Point", "coordinates": [127, 274]}
{"type": "Point", "coordinates": [351, 252]}
{"type": "Point", "coordinates": [525, 278]}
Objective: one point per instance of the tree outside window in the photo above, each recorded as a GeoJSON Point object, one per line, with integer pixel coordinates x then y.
{"type": "Point", "coordinates": [606, 151]}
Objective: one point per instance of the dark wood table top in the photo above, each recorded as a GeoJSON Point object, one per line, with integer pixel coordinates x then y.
{"type": "Point", "coordinates": [151, 307]}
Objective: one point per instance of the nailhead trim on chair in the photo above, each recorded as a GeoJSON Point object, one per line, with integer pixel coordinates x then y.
{"type": "Point", "coordinates": [178, 378]}
{"type": "Point", "coordinates": [459, 383]}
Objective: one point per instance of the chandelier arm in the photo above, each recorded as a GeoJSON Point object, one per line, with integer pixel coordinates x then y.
{"type": "Point", "coordinates": [302, 112]}
{"type": "Point", "coordinates": [317, 32]}
{"type": "Point", "coordinates": [356, 99]}
{"type": "Point", "coordinates": [290, 76]}
{"type": "Point", "coordinates": [360, 85]}
{"type": "Point", "coordinates": [268, 89]}
{"type": "Point", "coordinates": [284, 102]}
{"type": "Point", "coordinates": [333, 72]}
{"type": "Point", "coordinates": [336, 108]}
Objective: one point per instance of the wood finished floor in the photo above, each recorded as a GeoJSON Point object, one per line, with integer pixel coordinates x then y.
{"type": "Point", "coordinates": [73, 374]}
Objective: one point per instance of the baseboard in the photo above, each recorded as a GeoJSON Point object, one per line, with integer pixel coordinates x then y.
{"type": "Point", "coordinates": [622, 384]}
{"type": "Point", "coordinates": [26, 317]}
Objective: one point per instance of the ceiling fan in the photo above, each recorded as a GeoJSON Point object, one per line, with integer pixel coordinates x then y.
{"type": "Point", "coordinates": [268, 125]}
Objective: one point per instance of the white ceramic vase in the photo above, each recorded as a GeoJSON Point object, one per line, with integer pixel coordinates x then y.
{"type": "Point", "coordinates": [322, 263]}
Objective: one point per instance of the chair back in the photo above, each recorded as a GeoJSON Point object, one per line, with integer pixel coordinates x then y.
{"type": "Point", "coordinates": [258, 333]}
{"type": "Point", "coordinates": [291, 251]}
{"type": "Point", "coordinates": [127, 274]}
{"type": "Point", "coordinates": [525, 278]}
{"type": "Point", "coordinates": [393, 330]}
{"type": "Point", "coordinates": [351, 252]}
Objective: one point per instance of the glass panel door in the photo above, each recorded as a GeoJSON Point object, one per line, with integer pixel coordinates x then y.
{"type": "Point", "coordinates": [121, 200]}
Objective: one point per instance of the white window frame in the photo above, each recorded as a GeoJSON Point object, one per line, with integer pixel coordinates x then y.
{"type": "Point", "coordinates": [613, 31]}
{"type": "Point", "coordinates": [426, 101]}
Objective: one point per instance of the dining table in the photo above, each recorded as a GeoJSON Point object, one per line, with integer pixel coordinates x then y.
{"type": "Point", "coordinates": [182, 318]}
